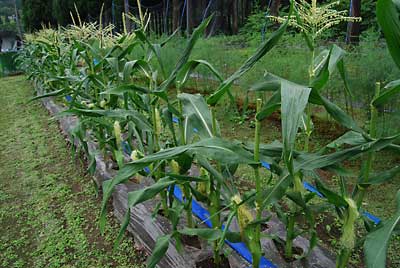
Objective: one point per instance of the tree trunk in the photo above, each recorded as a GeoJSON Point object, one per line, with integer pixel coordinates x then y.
{"type": "Point", "coordinates": [176, 7]}
{"type": "Point", "coordinates": [263, 4]}
{"type": "Point", "coordinates": [127, 20]}
{"type": "Point", "coordinates": [274, 9]}
{"type": "Point", "coordinates": [353, 28]}
{"type": "Point", "coordinates": [17, 20]}
{"type": "Point", "coordinates": [248, 7]}
{"type": "Point", "coordinates": [235, 18]}
{"type": "Point", "coordinates": [189, 16]}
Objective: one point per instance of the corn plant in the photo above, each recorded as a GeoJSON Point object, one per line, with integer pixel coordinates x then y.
{"type": "Point", "coordinates": [117, 86]}
{"type": "Point", "coordinates": [312, 21]}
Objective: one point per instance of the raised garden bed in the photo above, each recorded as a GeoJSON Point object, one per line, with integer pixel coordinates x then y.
{"type": "Point", "coordinates": [146, 227]}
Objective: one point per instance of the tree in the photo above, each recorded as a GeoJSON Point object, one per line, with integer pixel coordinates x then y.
{"type": "Point", "coordinates": [235, 17]}
{"type": "Point", "coordinates": [176, 7]}
{"type": "Point", "coordinates": [17, 20]}
{"type": "Point", "coordinates": [274, 9]}
{"type": "Point", "coordinates": [353, 28]}
{"type": "Point", "coordinates": [37, 12]}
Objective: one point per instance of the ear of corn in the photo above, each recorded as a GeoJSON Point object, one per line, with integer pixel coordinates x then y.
{"type": "Point", "coordinates": [348, 230]}
{"type": "Point", "coordinates": [117, 133]}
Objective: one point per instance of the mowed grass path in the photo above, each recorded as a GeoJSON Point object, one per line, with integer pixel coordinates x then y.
{"type": "Point", "coordinates": [48, 206]}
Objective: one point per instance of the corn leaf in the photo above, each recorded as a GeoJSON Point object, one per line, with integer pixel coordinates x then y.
{"type": "Point", "coordinates": [139, 196]}
{"type": "Point", "coordinates": [136, 117]}
{"type": "Point", "coordinates": [391, 89]}
{"type": "Point", "coordinates": [204, 233]}
{"type": "Point", "coordinates": [197, 33]}
{"type": "Point", "coordinates": [387, 12]}
{"type": "Point", "coordinates": [381, 177]}
{"type": "Point", "coordinates": [270, 83]}
{"type": "Point", "coordinates": [198, 119]}
{"type": "Point", "coordinates": [108, 187]}
{"type": "Point", "coordinates": [315, 161]}
{"type": "Point", "coordinates": [376, 243]}
{"type": "Point", "coordinates": [187, 69]}
{"type": "Point", "coordinates": [125, 88]}
{"type": "Point", "coordinates": [331, 196]}
{"type": "Point", "coordinates": [349, 138]}
{"type": "Point", "coordinates": [325, 64]}
{"type": "Point", "coordinates": [226, 152]}
{"type": "Point", "coordinates": [275, 193]}
{"type": "Point", "coordinates": [335, 111]}
{"type": "Point", "coordinates": [294, 99]}
{"type": "Point", "coordinates": [159, 250]}
{"type": "Point", "coordinates": [270, 106]}
{"type": "Point", "coordinates": [250, 62]}
{"type": "Point", "coordinates": [130, 66]}
{"type": "Point", "coordinates": [50, 94]}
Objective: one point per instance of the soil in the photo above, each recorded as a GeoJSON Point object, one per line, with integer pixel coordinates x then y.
{"type": "Point", "coordinates": [281, 249]}
{"type": "Point", "coordinates": [209, 263]}
{"type": "Point", "coordinates": [191, 241]}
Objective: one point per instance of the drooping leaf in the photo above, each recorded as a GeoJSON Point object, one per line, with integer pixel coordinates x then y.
{"type": "Point", "coordinates": [226, 152]}
{"type": "Point", "coordinates": [349, 138]}
{"type": "Point", "coordinates": [270, 82]}
{"type": "Point", "coordinates": [130, 66]}
{"type": "Point", "coordinates": [325, 64]}
{"type": "Point", "coordinates": [197, 33]}
{"type": "Point", "coordinates": [331, 196]}
{"type": "Point", "coordinates": [294, 99]}
{"type": "Point", "coordinates": [159, 250]}
{"type": "Point", "coordinates": [124, 226]}
{"type": "Point", "coordinates": [315, 98]}
{"type": "Point", "coordinates": [381, 177]}
{"type": "Point", "coordinates": [135, 116]}
{"type": "Point", "coordinates": [139, 196]}
{"type": "Point", "coordinates": [125, 88]}
{"type": "Point", "coordinates": [377, 242]}
{"type": "Point", "coordinates": [187, 69]}
{"type": "Point", "coordinates": [390, 90]}
{"type": "Point", "coordinates": [198, 119]}
{"type": "Point", "coordinates": [108, 187]}
{"type": "Point", "coordinates": [275, 193]}
{"type": "Point", "coordinates": [250, 62]}
{"type": "Point", "coordinates": [388, 14]}
{"type": "Point", "coordinates": [335, 111]}
{"type": "Point", "coordinates": [50, 94]}
{"type": "Point", "coordinates": [315, 161]}
{"type": "Point", "coordinates": [204, 233]}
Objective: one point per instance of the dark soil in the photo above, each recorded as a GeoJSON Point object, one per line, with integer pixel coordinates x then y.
{"type": "Point", "coordinates": [191, 241]}
{"type": "Point", "coordinates": [280, 245]}
{"type": "Point", "coordinates": [209, 263]}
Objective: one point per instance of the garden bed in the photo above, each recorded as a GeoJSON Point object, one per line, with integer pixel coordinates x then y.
{"type": "Point", "coordinates": [147, 227]}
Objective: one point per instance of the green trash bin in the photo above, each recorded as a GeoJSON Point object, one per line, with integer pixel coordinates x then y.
{"type": "Point", "coordinates": [7, 63]}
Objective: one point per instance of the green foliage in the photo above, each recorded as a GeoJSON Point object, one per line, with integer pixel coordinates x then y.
{"type": "Point", "coordinates": [35, 13]}
{"type": "Point", "coordinates": [54, 12]}
{"type": "Point", "coordinates": [377, 242]}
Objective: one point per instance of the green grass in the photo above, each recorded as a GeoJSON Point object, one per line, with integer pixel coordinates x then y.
{"type": "Point", "coordinates": [48, 206]}
{"type": "Point", "coordinates": [366, 64]}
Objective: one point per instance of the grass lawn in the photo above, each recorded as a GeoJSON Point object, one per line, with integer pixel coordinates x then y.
{"type": "Point", "coordinates": [48, 206]}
